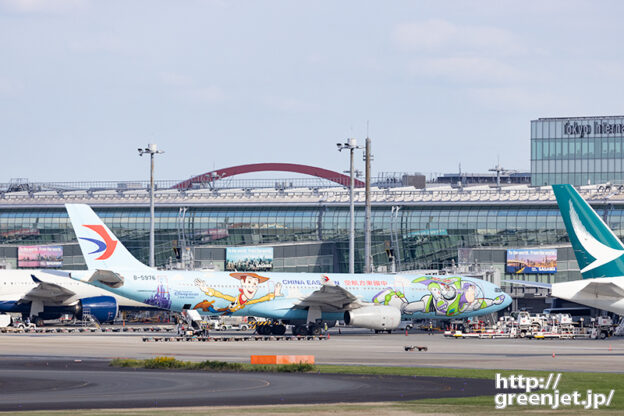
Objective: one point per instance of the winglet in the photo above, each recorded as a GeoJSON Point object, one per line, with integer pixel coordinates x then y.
{"type": "Point", "coordinates": [35, 279]}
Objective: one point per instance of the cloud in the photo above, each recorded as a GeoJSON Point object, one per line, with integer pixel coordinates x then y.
{"type": "Point", "coordinates": [435, 33]}
{"type": "Point", "coordinates": [101, 42]}
{"type": "Point", "coordinates": [187, 87]}
{"type": "Point", "coordinates": [210, 93]}
{"type": "Point", "coordinates": [9, 88]}
{"type": "Point", "coordinates": [42, 6]}
{"type": "Point", "coordinates": [288, 104]}
{"type": "Point", "coordinates": [519, 98]}
{"type": "Point", "coordinates": [466, 69]}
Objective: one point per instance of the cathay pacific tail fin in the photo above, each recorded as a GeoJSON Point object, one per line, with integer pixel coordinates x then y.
{"type": "Point", "coordinates": [100, 248]}
{"type": "Point", "coordinates": [598, 250]}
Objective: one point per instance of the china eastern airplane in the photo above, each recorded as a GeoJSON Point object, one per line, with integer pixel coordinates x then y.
{"type": "Point", "coordinates": [48, 294]}
{"type": "Point", "coordinates": [598, 253]}
{"type": "Point", "coordinates": [304, 300]}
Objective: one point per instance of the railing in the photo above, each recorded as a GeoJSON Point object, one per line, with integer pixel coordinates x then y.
{"type": "Point", "coordinates": [335, 195]}
{"type": "Point", "coordinates": [225, 183]}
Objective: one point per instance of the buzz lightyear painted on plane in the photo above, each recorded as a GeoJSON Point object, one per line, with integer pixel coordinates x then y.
{"type": "Point", "coordinates": [448, 296]}
{"type": "Point", "coordinates": [451, 296]}
{"type": "Point", "coordinates": [304, 300]}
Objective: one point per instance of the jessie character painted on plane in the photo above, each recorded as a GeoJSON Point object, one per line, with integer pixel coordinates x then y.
{"type": "Point", "coordinates": [249, 287]}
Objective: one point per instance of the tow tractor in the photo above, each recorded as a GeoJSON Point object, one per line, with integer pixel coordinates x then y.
{"type": "Point", "coordinates": [603, 327]}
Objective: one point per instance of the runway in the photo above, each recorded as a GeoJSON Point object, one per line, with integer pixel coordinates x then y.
{"type": "Point", "coordinates": [350, 348]}
{"type": "Point", "coordinates": [61, 384]}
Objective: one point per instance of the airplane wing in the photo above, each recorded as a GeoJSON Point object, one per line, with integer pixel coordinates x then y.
{"type": "Point", "coordinates": [529, 284]}
{"type": "Point", "coordinates": [330, 298]}
{"type": "Point", "coordinates": [48, 291]}
{"type": "Point", "coordinates": [603, 290]}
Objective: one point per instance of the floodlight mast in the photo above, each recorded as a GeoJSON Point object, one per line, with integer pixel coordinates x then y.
{"type": "Point", "coordinates": [350, 145]}
{"type": "Point", "coordinates": [152, 149]}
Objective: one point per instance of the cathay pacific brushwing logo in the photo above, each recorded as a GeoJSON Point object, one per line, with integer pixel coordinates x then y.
{"type": "Point", "coordinates": [602, 253]}
{"type": "Point", "coordinates": [107, 246]}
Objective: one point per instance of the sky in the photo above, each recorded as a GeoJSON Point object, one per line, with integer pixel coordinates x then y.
{"type": "Point", "coordinates": [434, 84]}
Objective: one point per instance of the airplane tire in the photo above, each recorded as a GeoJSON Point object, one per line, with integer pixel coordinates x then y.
{"type": "Point", "coordinates": [315, 330]}
{"type": "Point", "coordinates": [264, 330]}
{"type": "Point", "coordinates": [300, 330]}
{"type": "Point", "coordinates": [278, 329]}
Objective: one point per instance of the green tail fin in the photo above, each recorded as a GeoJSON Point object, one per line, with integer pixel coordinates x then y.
{"type": "Point", "coordinates": [598, 250]}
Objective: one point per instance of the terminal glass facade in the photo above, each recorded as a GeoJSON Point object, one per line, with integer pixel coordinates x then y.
{"type": "Point", "coordinates": [422, 237]}
{"type": "Point", "coordinates": [578, 151]}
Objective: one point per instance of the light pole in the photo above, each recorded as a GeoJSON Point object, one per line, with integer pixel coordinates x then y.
{"type": "Point", "coordinates": [351, 145]}
{"type": "Point", "coordinates": [152, 149]}
{"type": "Point", "coordinates": [367, 210]}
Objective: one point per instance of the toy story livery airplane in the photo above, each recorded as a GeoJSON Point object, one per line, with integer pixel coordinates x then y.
{"type": "Point", "coordinates": [304, 300]}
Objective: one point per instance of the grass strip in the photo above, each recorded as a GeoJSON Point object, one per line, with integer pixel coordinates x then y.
{"type": "Point", "coordinates": [570, 382]}
{"type": "Point", "coordinates": [170, 363]}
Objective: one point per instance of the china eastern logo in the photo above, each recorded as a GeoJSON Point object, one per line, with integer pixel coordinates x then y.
{"type": "Point", "coordinates": [107, 246]}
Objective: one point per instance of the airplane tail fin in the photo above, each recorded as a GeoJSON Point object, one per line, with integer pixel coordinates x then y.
{"type": "Point", "coordinates": [99, 246]}
{"type": "Point", "coordinates": [598, 250]}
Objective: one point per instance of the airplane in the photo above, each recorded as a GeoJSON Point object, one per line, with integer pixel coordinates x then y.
{"type": "Point", "coordinates": [598, 252]}
{"type": "Point", "coordinates": [49, 294]}
{"type": "Point", "coordinates": [305, 300]}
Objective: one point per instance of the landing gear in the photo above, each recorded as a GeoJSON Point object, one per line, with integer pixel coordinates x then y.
{"type": "Point", "coordinates": [300, 330]}
{"type": "Point", "coordinates": [263, 329]}
{"type": "Point", "coordinates": [312, 329]}
{"type": "Point", "coordinates": [274, 328]}
{"type": "Point", "coordinates": [278, 329]}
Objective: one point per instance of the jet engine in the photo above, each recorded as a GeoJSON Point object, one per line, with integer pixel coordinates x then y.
{"type": "Point", "coordinates": [380, 317]}
{"type": "Point", "coordinates": [102, 308]}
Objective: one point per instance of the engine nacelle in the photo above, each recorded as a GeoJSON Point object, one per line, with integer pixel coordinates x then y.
{"type": "Point", "coordinates": [102, 308]}
{"type": "Point", "coordinates": [378, 317]}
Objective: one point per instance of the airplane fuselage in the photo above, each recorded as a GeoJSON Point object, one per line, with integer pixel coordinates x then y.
{"type": "Point", "coordinates": [276, 295]}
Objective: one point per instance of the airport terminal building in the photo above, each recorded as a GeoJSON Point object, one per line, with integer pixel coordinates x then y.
{"type": "Point", "coordinates": [577, 150]}
{"type": "Point", "coordinates": [308, 230]}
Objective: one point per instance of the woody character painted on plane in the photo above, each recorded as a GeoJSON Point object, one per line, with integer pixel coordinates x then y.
{"type": "Point", "coordinates": [248, 288]}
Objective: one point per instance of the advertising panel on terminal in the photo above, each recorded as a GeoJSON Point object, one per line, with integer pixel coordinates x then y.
{"type": "Point", "coordinates": [40, 256]}
{"type": "Point", "coordinates": [531, 261]}
{"type": "Point", "coordinates": [248, 259]}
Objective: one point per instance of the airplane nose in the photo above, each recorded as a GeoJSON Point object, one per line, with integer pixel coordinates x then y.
{"type": "Point", "coordinates": [507, 301]}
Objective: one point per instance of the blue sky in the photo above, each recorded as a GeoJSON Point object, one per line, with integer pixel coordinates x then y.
{"type": "Point", "coordinates": [84, 83]}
